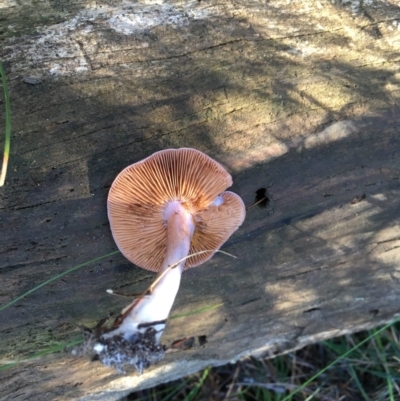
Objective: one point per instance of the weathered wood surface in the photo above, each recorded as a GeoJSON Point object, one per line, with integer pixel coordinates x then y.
{"type": "Point", "coordinates": [301, 98]}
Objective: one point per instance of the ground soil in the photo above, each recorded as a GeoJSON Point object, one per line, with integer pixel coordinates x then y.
{"type": "Point", "coordinates": [299, 98]}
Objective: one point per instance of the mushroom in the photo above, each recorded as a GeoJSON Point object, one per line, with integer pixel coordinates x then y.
{"type": "Point", "coordinates": [162, 210]}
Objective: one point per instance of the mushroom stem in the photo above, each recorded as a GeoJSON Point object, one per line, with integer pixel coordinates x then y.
{"type": "Point", "coordinates": [134, 338]}
{"type": "Point", "coordinates": [155, 306]}
{"type": "Point", "coordinates": [180, 229]}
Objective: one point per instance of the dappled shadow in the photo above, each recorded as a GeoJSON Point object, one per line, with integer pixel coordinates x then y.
{"type": "Point", "coordinates": [317, 131]}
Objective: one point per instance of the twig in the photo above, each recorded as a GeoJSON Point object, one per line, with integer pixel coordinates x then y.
{"type": "Point", "coordinates": [235, 375]}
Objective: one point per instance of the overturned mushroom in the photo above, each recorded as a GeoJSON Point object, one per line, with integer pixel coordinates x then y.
{"type": "Point", "coordinates": [162, 209]}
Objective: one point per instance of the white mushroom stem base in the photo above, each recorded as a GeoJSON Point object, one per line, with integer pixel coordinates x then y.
{"type": "Point", "coordinates": [134, 338]}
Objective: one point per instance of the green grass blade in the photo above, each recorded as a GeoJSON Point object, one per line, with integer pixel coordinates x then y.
{"type": "Point", "coordinates": [196, 311]}
{"type": "Point", "coordinates": [314, 377]}
{"type": "Point", "coordinates": [39, 354]}
{"type": "Point", "coordinates": [358, 383]}
{"type": "Point", "coordinates": [195, 390]}
{"type": "Point", "coordinates": [174, 391]}
{"type": "Point", "coordinates": [312, 396]}
{"type": "Point", "coordinates": [381, 350]}
{"type": "Point", "coordinates": [55, 278]}
{"type": "Point", "coordinates": [6, 154]}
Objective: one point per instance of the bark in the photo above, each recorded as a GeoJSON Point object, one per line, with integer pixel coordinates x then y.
{"type": "Point", "coordinates": [299, 98]}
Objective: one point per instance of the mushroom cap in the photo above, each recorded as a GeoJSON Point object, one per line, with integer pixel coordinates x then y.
{"type": "Point", "coordinates": [214, 225]}
{"type": "Point", "coordinates": [140, 193]}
